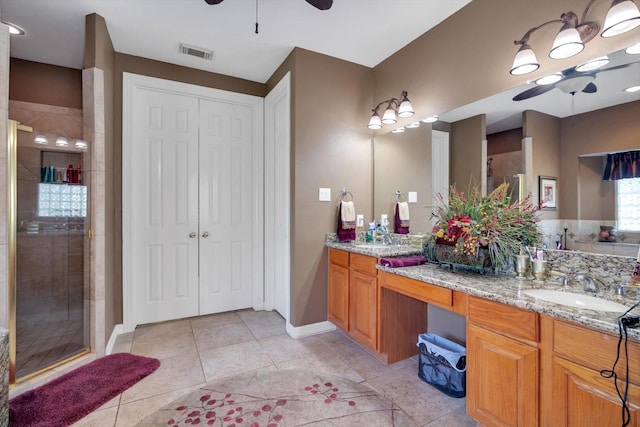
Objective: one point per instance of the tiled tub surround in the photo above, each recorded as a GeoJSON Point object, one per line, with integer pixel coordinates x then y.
{"type": "Point", "coordinates": [608, 270]}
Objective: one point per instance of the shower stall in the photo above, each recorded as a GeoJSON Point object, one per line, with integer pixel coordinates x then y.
{"type": "Point", "coordinates": [49, 249]}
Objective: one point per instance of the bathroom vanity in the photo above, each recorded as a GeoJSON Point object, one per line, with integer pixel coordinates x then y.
{"type": "Point", "coordinates": [529, 362]}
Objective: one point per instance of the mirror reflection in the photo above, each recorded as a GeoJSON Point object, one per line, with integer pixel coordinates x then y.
{"type": "Point", "coordinates": [558, 131]}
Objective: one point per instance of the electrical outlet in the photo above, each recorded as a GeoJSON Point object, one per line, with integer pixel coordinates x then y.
{"type": "Point", "coordinates": [359, 220]}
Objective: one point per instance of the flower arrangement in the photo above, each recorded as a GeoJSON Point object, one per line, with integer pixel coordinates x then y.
{"type": "Point", "coordinates": [471, 221]}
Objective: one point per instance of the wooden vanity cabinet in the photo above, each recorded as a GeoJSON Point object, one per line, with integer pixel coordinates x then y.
{"type": "Point", "coordinates": [581, 396]}
{"type": "Point", "coordinates": [353, 295]}
{"type": "Point", "coordinates": [502, 364]}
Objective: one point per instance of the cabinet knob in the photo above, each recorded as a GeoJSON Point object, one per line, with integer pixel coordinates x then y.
{"type": "Point", "coordinates": [192, 234]}
{"type": "Point", "coordinates": [205, 234]}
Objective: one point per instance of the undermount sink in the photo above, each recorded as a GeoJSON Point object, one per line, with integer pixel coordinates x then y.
{"type": "Point", "coordinates": [576, 300]}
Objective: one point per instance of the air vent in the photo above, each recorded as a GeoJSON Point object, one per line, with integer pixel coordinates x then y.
{"type": "Point", "coordinates": [196, 51]}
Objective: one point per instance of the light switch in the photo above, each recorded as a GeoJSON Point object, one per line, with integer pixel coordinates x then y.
{"type": "Point", "coordinates": [324, 195]}
{"type": "Point", "coordinates": [412, 197]}
{"type": "Point", "coordinates": [359, 220]}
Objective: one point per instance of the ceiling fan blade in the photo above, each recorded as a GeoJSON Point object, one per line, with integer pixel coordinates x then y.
{"type": "Point", "coordinates": [320, 4]}
{"type": "Point", "coordinates": [534, 91]}
{"type": "Point", "coordinates": [590, 88]}
{"type": "Point", "coordinates": [213, 1]}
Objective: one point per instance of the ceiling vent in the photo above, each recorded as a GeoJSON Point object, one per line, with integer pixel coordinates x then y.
{"type": "Point", "coordinates": [196, 51]}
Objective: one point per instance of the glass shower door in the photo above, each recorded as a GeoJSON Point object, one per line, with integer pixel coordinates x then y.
{"type": "Point", "coordinates": [51, 254]}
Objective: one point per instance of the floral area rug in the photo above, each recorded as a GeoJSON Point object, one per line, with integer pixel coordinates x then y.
{"type": "Point", "coordinates": [281, 398]}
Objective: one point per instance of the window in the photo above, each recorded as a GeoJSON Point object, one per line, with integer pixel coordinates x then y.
{"type": "Point", "coordinates": [628, 204]}
{"type": "Point", "coordinates": [60, 200]}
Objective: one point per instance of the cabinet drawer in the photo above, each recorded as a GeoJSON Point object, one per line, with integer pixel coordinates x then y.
{"type": "Point", "coordinates": [336, 256]}
{"type": "Point", "coordinates": [507, 320]}
{"type": "Point", "coordinates": [364, 264]}
{"type": "Point", "coordinates": [594, 349]}
{"type": "Point", "coordinates": [431, 294]}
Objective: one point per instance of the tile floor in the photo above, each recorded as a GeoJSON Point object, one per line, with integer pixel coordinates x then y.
{"type": "Point", "coordinates": [202, 349]}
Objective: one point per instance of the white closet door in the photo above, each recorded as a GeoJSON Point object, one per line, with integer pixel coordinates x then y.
{"type": "Point", "coordinates": [165, 218]}
{"type": "Point", "coordinates": [226, 206]}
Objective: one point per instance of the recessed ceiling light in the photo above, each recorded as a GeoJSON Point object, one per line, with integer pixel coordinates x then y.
{"type": "Point", "coordinates": [632, 89]}
{"type": "Point", "coordinates": [594, 64]}
{"type": "Point", "coordinates": [14, 30]}
{"type": "Point", "coordinates": [633, 50]}
{"type": "Point", "coordinates": [430, 119]}
{"type": "Point", "coordinates": [550, 79]}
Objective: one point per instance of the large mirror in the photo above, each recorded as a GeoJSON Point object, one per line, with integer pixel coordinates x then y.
{"type": "Point", "coordinates": [570, 132]}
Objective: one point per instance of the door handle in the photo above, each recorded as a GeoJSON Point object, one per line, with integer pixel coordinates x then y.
{"type": "Point", "coordinates": [192, 234]}
{"type": "Point", "coordinates": [205, 234]}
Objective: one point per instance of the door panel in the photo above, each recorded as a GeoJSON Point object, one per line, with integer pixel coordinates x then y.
{"type": "Point", "coordinates": [166, 260]}
{"type": "Point", "coordinates": [226, 216]}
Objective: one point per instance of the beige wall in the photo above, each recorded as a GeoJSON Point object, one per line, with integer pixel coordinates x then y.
{"type": "Point", "coordinates": [402, 162]}
{"type": "Point", "coordinates": [465, 151]}
{"type": "Point", "coordinates": [612, 129]}
{"type": "Point", "coordinates": [331, 147]}
{"type": "Point", "coordinates": [545, 133]}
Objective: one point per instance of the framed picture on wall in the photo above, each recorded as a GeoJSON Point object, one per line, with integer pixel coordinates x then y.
{"type": "Point", "coordinates": [548, 193]}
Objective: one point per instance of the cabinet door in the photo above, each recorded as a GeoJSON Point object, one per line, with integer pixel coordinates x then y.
{"type": "Point", "coordinates": [338, 304]}
{"type": "Point", "coordinates": [363, 295]}
{"type": "Point", "coordinates": [502, 379]}
{"type": "Point", "coordinates": [583, 398]}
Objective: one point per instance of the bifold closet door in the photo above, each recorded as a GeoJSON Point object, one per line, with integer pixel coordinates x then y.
{"type": "Point", "coordinates": [226, 200]}
{"type": "Point", "coordinates": [165, 231]}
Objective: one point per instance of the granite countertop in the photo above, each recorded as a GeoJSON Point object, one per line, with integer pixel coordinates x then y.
{"type": "Point", "coordinates": [508, 290]}
{"type": "Point", "coordinates": [502, 288]}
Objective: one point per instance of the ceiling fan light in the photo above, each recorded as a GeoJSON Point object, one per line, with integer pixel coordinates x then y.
{"type": "Point", "coordinates": [633, 49]}
{"type": "Point", "coordinates": [623, 15]}
{"type": "Point", "coordinates": [567, 43]}
{"type": "Point", "coordinates": [550, 79]}
{"type": "Point", "coordinates": [374, 122]}
{"type": "Point", "coordinates": [593, 64]}
{"type": "Point", "coordinates": [398, 130]}
{"type": "Point", "coordinates": [389, 116]}
{"type": "Point", "coordinates": [525, 61]}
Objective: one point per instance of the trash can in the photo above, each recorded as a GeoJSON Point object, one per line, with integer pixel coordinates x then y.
{"type": "Point", "coordinates": [442, 364]}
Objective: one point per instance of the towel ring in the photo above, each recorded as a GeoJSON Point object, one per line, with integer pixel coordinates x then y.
{"type": "Point", "coordinates": [400, 197]}
{"type": "Point", "coordinates": [345, 193]}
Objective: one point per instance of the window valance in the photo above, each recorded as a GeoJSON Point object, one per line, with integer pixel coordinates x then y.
{"type": "Point", "coordinates": [622, 165]}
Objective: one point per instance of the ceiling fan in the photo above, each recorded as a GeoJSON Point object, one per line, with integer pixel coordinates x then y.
{"type": "Point", "coordinates": [572, 82]}
{"type": "Point", "coordinates": [319, 4]}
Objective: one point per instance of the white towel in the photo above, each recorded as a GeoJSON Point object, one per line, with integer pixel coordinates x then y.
{"type": "Point", "coordinates": [403, 211]}
{"type": "Point", "coordinates": [348, 215]}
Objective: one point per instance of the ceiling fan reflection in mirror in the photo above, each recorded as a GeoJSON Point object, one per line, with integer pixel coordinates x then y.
{"type": "Point", "coordinates": [319, 4]}
{"type": "Point", "coordinates": [571, 81]}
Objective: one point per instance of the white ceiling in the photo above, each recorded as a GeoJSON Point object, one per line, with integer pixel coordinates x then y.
{"type": "Point", "coordinates": [362, 31]}
{"type": "Point", "coordinates": [365, 32]}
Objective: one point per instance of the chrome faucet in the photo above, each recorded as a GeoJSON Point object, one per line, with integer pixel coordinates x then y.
{"type": "Point", "coordinates": [589, 284]}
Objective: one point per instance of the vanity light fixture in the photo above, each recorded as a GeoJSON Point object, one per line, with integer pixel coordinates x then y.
{"type": "Point", "coordinates": [430, 119]}
{"type": "Point", "coordinates": [81, 144]}
{"type": "Point", "coordinates": [62, 142]}
{"type": "Point", "coordinates": [413, 125]}
{"type": "Point", "coordinates": [623, 15]}
{"type": "Point", "coordinates": [398, 130]}
{"type": "Point", "coordinates": [633, 50]}
{"type": "Point", "coordinates": [14, 29]}
{"type": "Point", "coordinates": [41, 139]}
{"type": "Point", "coordinates": [395, 108]}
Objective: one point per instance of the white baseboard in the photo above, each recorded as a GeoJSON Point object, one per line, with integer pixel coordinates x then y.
{"type": "Point", "coordinates": [117, 330]}
{"type": "Point", "coordinates": [308, 330]}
